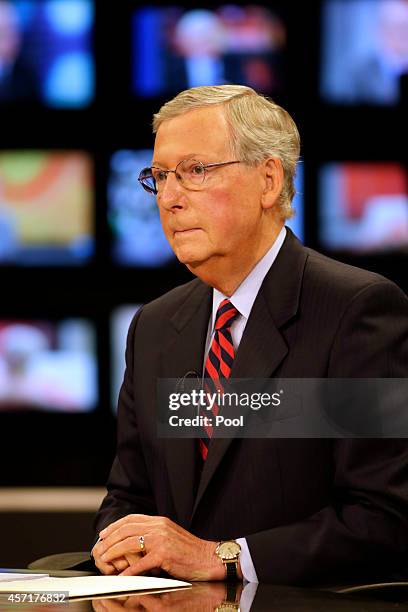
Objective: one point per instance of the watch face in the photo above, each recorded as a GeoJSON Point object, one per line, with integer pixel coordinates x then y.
{"type": "Point", "coordinates": [229, 550]}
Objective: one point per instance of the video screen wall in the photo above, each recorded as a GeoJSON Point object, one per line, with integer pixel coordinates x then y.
{"type": "Point", "coordinates": [46, 208]}
{"type": "Point", "coordinates": [48, 366]}
{"type": "Point", "coordinates": [81, 244]}
{"type": "Point", "coordinates": [364, 207]}
{"type": "Point", "coordinates": [132, 212]}
{"type": "Point", "coordinates": [120, 321]}
{"type": "Point", "coordinates": [364, 52]}
{"type": "Point", "coordinates": [46, 52]}
{"type": "Point", "coordinates": [175, 48]}
{"type": "Point", "coordinates": [297, 222]}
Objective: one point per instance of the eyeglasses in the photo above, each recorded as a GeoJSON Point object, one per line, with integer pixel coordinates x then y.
{"type": "Point", "coordinates": [191, 173]}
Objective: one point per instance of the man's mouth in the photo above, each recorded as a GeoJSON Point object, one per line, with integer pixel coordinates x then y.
{"type": "Point", "coordinates": [186, 232]}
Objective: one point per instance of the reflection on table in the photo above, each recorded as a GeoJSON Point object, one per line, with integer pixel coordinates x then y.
{"type": "Point", "coordinates": [210, 597]}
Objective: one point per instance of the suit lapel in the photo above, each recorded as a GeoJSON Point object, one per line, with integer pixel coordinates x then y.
{"type": "Point", "coordinates": [263, 347]}
{"type": "Point", "coordinates": [183, 353]}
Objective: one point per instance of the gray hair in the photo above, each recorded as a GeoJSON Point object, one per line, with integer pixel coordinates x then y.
{"type": "Point", "coordinates": [259, 128]}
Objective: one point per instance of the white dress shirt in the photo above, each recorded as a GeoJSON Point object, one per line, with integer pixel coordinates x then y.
{"type": "Point", "coordinates": [243, 299]}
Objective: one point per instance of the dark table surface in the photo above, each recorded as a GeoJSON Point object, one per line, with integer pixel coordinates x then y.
{"type": "Point", "coordinates": [203, 597]}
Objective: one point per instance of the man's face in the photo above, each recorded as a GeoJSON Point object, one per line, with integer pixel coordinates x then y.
{"type": "Point", "coordinates": [223, 222]}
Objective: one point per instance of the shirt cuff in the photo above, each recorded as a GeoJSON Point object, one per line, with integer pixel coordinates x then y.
{"type": "Point", "coordinates": [247, 566]}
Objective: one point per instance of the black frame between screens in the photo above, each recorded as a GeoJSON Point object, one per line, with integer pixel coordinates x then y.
{"type": "Point", "coordinates": [65, 449]}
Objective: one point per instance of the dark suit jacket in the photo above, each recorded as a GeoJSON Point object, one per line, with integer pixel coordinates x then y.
{"type": "Point", "coordinates": [312, 510]}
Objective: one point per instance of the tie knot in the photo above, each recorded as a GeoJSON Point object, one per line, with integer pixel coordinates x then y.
{"type": "Point", "coordinates": [226, 314]}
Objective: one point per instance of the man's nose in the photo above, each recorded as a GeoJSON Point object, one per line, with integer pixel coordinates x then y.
{"type": "Point", "coordinates": [171, 193]}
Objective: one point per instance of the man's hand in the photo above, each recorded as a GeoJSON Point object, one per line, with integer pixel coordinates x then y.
{"type": "Point", "coordinates": [115, 567]}
{"type": "Point", "coordinates": [167, 546]}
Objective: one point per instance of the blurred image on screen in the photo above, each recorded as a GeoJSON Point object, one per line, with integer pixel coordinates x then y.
{"type": "Point", "coordinates": [120, 322]}
{"type": "Point", "coordinates": [45, 52]}
{"type": "Point", "coordinates": [48, 366]}
{"type": "Point", "coordinates": [364, 51]}
{"type": "Point", "coordinates": [296, 223]}
{"type": "Point", "coordinates": [46, 208]}
{"type": "Point", "coordinates": [138, 238]}
{"type": "Point", "coordinates": [176, 48]}
{"type": "Point", "coordinates": [363, 207]}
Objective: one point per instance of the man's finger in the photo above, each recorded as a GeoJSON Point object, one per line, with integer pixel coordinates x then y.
{"type": "Point", "coordinates": [132, 518]}
{"type": "Point", "coordinates": [105, 568]}
{"type": "Point", "coordinates": [120, 564]}
{"type": "Point", "coordinates": [127, 530]}
{"type": "Point", "coordinates": [130, 545]}
{"type": "Point", "coordinates": [145, 564]}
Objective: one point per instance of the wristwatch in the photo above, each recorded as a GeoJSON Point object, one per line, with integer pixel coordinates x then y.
{"type": "Point", "coordinates": [228, 551]}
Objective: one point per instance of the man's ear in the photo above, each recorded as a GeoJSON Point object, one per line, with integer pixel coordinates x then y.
{"type": "Point", "coordinates": [273, 181]}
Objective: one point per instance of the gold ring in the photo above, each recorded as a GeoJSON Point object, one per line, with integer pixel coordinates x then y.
{"type": "Point", "coordinates": [142, 544]}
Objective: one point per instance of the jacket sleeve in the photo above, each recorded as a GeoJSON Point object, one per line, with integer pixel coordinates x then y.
{"type": "Point", "coordinates": [129, 489]}
{"type": "Point", "coordinates": [364, 531]}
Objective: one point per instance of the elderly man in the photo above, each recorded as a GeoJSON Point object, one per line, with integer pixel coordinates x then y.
{"type": "Point", "coordinates": [290, 511]}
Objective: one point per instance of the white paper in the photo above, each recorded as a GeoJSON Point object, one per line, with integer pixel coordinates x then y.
{"type": "Point", "coordinates": [11, 576]}
{"type": "Point", "coordinates": [85, 586]}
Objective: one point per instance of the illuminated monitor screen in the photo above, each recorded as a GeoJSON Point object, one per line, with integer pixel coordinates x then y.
{"type": "Point", "coordinates": [46, 52]}
{"type": "Point", "coordinates": [364, 51]}
{"type": "Point", "coordinates": [363, 207]}
{"type": "Point", "coordinates": [46, 208]}
{"type": "Point", "coordinates": [48, 366]}
{"type": "Point", "coordinates": [175, 48]}
{"type": "Point", "coordinates": [137, 236]}
{"type": "Point", "coordinates": [120, 322]}
{"type": "Point", "coordinates": [297, 222]}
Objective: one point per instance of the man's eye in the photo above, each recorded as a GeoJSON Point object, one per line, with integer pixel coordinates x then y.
{"type": "Point", "coordinates": [197, 170]}
{"type": "Point", "coordinates": [160, 176]}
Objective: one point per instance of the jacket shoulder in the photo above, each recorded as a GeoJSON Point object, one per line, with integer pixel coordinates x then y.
{"type": "Point", "coordinates": [344, 280]}
{"type": "Point", "coordinates": [167, 305]}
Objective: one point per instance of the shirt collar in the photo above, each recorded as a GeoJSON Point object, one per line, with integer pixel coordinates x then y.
{"type": "Point", "coordinates": [244, 296]}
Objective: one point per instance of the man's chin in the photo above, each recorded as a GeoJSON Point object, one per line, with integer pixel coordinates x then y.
{"type": "Point", "coordinates": [196, 266]}
{"type": "Point", "coordinates": [191, 260]}
{"type": "Point", "coordinates": [200, 265]}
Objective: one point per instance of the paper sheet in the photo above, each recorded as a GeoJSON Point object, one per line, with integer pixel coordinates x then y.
{"type": "Point", "coordinates": [11, 576]}
{"type": "Point", "coordinates": [85, 586]}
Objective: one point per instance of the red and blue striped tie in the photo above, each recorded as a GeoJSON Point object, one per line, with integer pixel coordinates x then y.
{"type": "Point", "coordinates": [219, 361]}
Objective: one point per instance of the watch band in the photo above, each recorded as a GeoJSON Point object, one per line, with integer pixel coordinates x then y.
{"type": "Point", "coordinates": [231, 568]}
{"type": "Point", "coordinates": [231, 594]}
